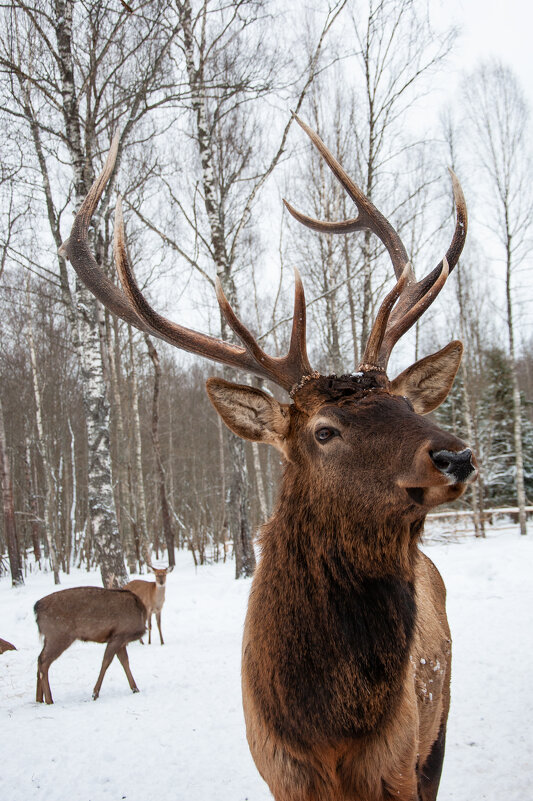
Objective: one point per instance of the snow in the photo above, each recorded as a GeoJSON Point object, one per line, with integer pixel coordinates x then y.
{"type": "Point", "coordinates": [182, 737]}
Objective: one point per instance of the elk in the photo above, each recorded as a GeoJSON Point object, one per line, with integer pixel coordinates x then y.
{"type": "Point", "coordinates": [346, 648]}
{"type": "Point", "coordinates": [152, 594]}
{"type": "Point", "coordinates": [90, 614]}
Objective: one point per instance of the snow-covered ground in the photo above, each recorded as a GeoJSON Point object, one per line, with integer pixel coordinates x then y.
{"type": "Point", "coordinates": [182, 737]}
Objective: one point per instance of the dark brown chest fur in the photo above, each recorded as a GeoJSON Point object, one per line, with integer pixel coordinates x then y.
{"type": "Point", "coordinates": [326, 647]}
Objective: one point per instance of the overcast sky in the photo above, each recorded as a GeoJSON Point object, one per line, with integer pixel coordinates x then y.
{"type": "Point", "coordinates": [490, 28]}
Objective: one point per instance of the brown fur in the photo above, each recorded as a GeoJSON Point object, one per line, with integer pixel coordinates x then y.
{"type": "Point", "coordinates": [152, 594]}
{"type": "Point", "coordinates": [6, 646]}
{"type": "Point", "coordinates": [346, 650]}
{"type": "Point", "coordinates": [90, 614]}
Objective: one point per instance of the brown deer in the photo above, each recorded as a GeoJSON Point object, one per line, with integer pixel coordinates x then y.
{"type": "Point", "coordinates": [152, 594]}
{"type": "Point", "coordinates": [90, 614]}
{"type": "Point", "coordinates": [346, 652]}
{"type": "Point", "coordinates": [6, 646]}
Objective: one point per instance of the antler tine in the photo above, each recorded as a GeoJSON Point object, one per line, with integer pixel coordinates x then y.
{"type": "Point", "coordinates": [371, 356]}
{"type": "Point", "coordinates": [240, 329]}
{"type": "Point", "coordinates": [413, 297]}
{"type": "Point", "coordinates": [417, 297]}
{"type": "Point", "coordinates": [298, 344]}
{"type": "Point", "coordinates": [76, 249]}
{"type": "Point", "coordinates": [416, 291]}
{"type": "Point", "coordinates": [398, 328]}
{"type": "Point", "coordinates": [218, 350]}
{"type": "Point", "coordinates": [369, 216]}
{"type": "Point", "coordinates": [286, 370]}
{"type": "Point", "coordinates": [131, 305]}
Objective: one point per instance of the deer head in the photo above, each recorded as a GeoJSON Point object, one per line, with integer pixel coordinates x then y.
{"type": "Point", "coordinates": [160, 573]}
{"type": "Point", "coordinates": [360, 438]}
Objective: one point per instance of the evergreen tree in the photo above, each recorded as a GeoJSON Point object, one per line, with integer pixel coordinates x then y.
{"type": "Point", "coordinates": [496, 432]}
{"type": "Point", "coordinates": [450, 414]}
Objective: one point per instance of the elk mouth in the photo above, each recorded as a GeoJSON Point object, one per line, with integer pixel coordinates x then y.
{"type": "Point", "coordinates": [416, 494]}
{"type": "Point", "coordinates": [434, 495]}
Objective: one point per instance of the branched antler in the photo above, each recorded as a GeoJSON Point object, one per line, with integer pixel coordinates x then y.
{"type": "Point", "coordinates": [409, 299]}
{"type": "Point", "coordinates": [130, 304]}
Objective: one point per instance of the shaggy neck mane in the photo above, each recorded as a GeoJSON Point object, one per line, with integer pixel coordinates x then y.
{"type": "Point", "coordinates": [337, 592]}
{"type": "Point", "coordinates": [323, 525]}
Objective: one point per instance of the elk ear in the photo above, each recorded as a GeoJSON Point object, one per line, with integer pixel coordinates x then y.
{"type": "Point", "coordinates": [250, 412]}
{"type": "Point", "coordinates": [427, 382]}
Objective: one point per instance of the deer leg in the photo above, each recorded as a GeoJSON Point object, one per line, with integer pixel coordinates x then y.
{"type": "Point", "coordinates": [429, 775]}
{"type": "Point", "coordinates": [110, 651]}
{"type": "Point", "coordinates": [50, 652]}
{"type": "Point", "coordinates": [122, 655]}
{"type": "Point", "coordinates": [39, 691]}
{"type": "Point", "coordinates": [150, 628]}
{"type": "Point", "coordinates": [158, 619]}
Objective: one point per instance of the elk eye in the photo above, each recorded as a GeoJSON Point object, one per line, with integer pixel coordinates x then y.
{"type": "Point", "coordinates": [325, 434]}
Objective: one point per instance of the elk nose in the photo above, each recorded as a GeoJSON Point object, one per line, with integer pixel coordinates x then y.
{"type": "Point", "coordinates": [457, 465]}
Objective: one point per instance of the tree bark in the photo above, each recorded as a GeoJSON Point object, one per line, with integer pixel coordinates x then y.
{"type": "Point", "coordinates": [123, 500]}
{"type": "Point", "coordinates": [103, 518]}
{"type": "Point", "coordinates": [32, 504]}
{"type": "Point", "coordinates": [42, 447]}
{"type": "Point", "coordinates": [477, 488]}
{"type": "Point", "coordinates": [138, 479]}
{"type": "Point", "coordinates": [10, 530]}
{"type": "Point", "coordinates": [517, 403]}
{"type": "Point", "coordinates": [165, 510]}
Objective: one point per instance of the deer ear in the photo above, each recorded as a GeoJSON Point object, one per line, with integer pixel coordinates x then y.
{"type": "Point", "coordinates": [427, 382]}
{"type": "Point", "coordinates": [250, 412]}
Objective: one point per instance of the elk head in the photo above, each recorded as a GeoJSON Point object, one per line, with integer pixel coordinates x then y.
{"type": "Point", "coordinates": [361, 437]}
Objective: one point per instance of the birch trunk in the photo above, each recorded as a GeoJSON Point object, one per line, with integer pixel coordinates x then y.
{"type": "Point", "coordinates": [10, 531]}
{"type": "Point", "coordinates": [517, 403]}
{"type": "Point", "coordinates": [259, 482]}
{"type": "Point", "coordinates": [74, 497]}
{"type": "Point", "coordinates": [224, 534]}
{"type": "Point", "coordinates": [238, 504]}
{"type": "Point", "coordinates": [138, 480]}
{"type": "Point", "coordinates": [42, 447]}
{"type": "Point", "coordinates": [165, 510]}
{"type": "Point", "coordinates": [32, 504]}
{"type": "Point", "coordinates": [122, 493]}
{"type": "Point", "coordinates": [82, 311]}
{"type": "Point", "coordinates": [102, 514]}
{"type": "Point", "coordinates": [259, 477]}
{"type": "Point", "coordinates": [351, 302]}
{"type": "Point", "coordinates": [477, 488]}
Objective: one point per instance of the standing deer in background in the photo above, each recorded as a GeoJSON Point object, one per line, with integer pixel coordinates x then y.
{"type": "Point", "coordinates": [90, 614]}
{"type": "Point", "coordinates": [152, 594]}
{"type": "Point", "coordinates": [346, 652]}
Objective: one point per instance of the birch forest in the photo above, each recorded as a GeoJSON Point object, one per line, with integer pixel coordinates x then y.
{"type": "Point", "coordinates": [110, 452]}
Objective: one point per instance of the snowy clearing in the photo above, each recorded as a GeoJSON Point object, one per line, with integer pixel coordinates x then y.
{"type": "Point", "coordinates": [182, 737]}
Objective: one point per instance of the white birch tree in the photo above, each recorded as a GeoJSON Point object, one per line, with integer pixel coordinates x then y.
{"type": "Point", "coordinates": [72, 72]}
